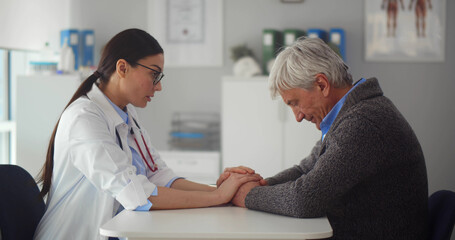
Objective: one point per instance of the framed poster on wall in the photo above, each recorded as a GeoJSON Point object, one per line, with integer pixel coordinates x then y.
{"type": "Point", "coordinates": [190, 31]}
{"type": "Point", "coordinates": [405, 30]}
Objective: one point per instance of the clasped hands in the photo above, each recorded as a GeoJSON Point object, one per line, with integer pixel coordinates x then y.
{"type": "Point", "coordinates": [245, 188]}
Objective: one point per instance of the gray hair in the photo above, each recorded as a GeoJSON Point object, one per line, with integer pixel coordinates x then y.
{"type": "Point", "coordinates": [297, 65]}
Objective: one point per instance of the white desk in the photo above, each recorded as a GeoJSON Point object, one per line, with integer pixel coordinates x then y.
{"type": "Point", "coordinates": [227, 222]}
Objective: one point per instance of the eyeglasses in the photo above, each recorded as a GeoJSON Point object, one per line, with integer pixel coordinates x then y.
{"type": "Point", "coordinates": [157, 75]}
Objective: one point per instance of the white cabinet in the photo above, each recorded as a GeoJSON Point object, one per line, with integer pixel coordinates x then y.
{"type": "Point", "coordinates": [40, 100]}
{"type": "Point", "coordinates": [197, 166]}
{"type": "Point", "coordinates": [259, 132]}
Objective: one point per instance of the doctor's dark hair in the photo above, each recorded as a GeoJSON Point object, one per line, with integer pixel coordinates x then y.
{"type": "Point", "coordinates": [130, 45]}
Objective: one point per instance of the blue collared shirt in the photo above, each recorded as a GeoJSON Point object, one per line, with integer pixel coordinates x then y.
{"type": "Point", "coordinates": [138, 162]}
{"type": "Point", "coordinates": [328, 120]}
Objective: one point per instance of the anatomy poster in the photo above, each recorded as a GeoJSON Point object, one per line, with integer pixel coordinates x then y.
{"type": "Point", "coordinates": [405, 30]}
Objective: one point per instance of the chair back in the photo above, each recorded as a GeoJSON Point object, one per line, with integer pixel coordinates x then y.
{"type": "Point", "coordinates": [442, 214]}
{"type": "Point", "coordinates": [21, 206]}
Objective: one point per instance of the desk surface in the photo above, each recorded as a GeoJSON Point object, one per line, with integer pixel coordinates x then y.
{"type": "Point", "coordinates": [227, 222]}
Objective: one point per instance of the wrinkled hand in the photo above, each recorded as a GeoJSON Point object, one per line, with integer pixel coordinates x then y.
{"type": "Point", "coordinates": [227, 172]}
{"type": "Point", "coordinates": [228, 188]}
{"type": "Point", "coordinates": [241, 170]}
{"type": "Point", "coordinates": [239, 198]}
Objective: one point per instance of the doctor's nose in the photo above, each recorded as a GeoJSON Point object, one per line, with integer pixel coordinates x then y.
{"type": "Point", "coordinates": [158, 87]}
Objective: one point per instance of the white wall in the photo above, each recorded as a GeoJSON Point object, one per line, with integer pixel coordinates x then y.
{"type": "Point", "coordinates": [26, 24]}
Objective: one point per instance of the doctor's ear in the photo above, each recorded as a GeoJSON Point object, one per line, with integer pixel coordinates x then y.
{"type": "Point", "coordinates": [121, 67]}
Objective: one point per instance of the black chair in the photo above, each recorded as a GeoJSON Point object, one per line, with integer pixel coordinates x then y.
{"type": "Point", "coordinates": [442, 214]}
{"type": "Point", "coordinates": [21, 206]}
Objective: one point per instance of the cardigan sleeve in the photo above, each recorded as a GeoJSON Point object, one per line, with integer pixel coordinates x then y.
{"type": "Point", "coordinates": [291, 174]}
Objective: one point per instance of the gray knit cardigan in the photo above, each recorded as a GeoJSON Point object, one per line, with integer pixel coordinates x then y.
{"type": "Point", "coordinates": [368, 175]}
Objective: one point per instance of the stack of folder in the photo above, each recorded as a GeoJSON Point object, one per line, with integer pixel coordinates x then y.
{"type": "Point", "coordinates": [273, 41]}
{"type": "Point", "coordinates": [83, 45]}
{"type": "Point", "coordinates": [195, 131]}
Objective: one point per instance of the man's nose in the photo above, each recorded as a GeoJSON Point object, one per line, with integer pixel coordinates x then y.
{"type": "Point", "coordinates": [298, 115]}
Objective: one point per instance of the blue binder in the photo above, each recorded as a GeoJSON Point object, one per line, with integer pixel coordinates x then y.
{"type": "Point", "coordinates": [71, 37]}
{"type": "Point", "coordinates": [87, 48]}
{"type": "Point", "coordinates": [316, 32]}
{"type": "Point", "coordinates": [337, 37]}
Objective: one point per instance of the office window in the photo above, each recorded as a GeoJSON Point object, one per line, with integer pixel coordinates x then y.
{"type": "Point", "coordinates": [19, 65]}
{"type": "Point", "coordinates": [12, 64]}
{"type": "Point", "coordinates": [4, 124]}
{"type": "Point", "coordinates": [3, 86]}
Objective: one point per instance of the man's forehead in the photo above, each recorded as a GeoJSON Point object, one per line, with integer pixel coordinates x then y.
{"type": "Point", "coordinates": [287, 95]}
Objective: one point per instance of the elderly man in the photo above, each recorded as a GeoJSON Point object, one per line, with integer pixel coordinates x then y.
{"type": "Point", "coordinates": [367, 174]}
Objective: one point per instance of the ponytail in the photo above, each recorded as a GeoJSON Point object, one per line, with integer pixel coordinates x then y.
{"type": "Point", "coordinates": [45, 175]}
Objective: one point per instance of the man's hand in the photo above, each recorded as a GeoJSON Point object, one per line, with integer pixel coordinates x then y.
{"type": "Point", "coordinates": [239, 198]}
{"type": "Point", "coordinates": [229, 188]}
{"type": "Point", "coordinates": [227, 172]}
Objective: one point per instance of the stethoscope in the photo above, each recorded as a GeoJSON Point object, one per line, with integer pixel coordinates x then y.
{"type": "Point", "coordinates": [155, 166]}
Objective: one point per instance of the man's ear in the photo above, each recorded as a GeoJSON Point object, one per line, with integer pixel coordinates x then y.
{"type": "Point", "coordinates": [322, 84]}
{"type": "Point", "coordinates": [121, 67]}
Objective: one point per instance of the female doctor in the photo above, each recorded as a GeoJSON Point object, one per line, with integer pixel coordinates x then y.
{"type": "Point", "coordinates": [100, 161]}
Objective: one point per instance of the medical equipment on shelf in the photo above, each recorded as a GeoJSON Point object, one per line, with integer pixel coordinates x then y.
{"type": "Point", "coordinates": [195, 131]}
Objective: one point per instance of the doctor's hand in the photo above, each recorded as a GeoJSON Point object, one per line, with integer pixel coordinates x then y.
{"type": "Point", "coordinates": [239, 198]}
{"type": "Point", "coordinates": [229, 187]}
{"type": "Point", "coordinates": [240, 169]}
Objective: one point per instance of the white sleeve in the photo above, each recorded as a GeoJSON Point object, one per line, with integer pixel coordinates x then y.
{"type": "Point", "coordinates": [97, 155]}
{"type": "Point", "coordinates": [164, 174]}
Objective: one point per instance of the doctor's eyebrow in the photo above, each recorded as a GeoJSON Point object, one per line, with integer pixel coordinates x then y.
{"type": "Point", "coordinates": [153, 65]}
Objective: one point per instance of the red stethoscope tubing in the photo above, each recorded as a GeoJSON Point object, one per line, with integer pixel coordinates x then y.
{"type": "Point", "coordinates": [148, 151]}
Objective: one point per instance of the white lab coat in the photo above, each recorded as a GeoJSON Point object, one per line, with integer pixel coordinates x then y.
{"type": "Point", "coordinates": [92, 174]}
